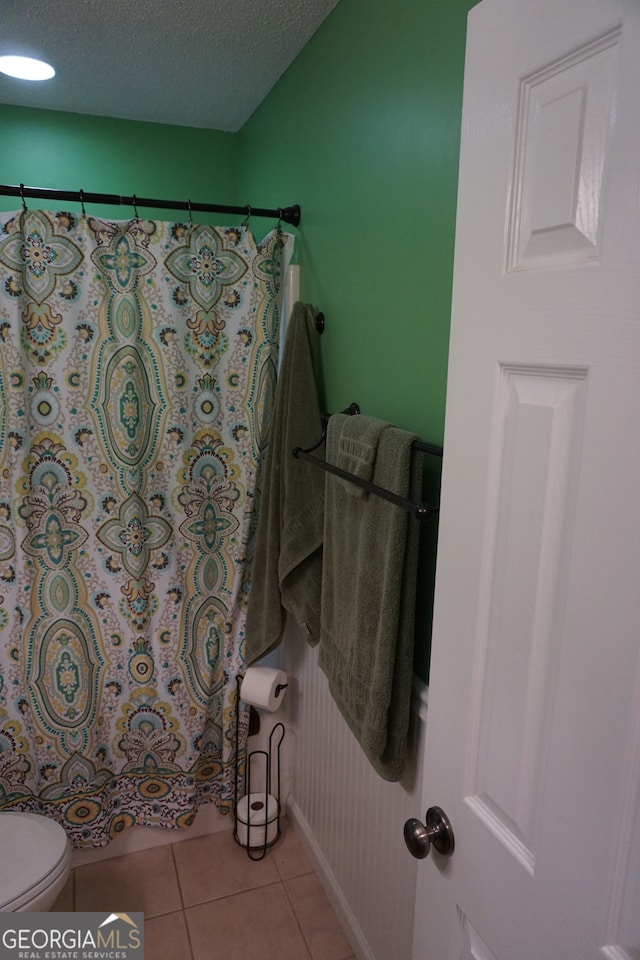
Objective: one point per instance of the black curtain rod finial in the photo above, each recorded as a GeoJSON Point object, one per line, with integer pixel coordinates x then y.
{"type": "Point", "coordinates": [290, 214]}
{"type": "Point", "coordinates": [320, 322]}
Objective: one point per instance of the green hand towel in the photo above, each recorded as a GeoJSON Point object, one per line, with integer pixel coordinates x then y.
{"type": "Point", "coordinates": [368, 599]}
{"type": "Point", "coordinates": [287, 564]}
{"type": "Point", "coordinates": [357, 448]}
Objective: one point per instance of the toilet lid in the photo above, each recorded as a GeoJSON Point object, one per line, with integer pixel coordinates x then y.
{"type": "Point", "coordinates": [34, 846]}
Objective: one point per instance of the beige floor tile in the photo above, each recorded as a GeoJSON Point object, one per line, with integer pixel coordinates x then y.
{"type": "Point", "coordinates": [288, 853]}
{"type": "Point", "coordinates": [64, 902]}
{"type": "Point", "coordinates": [257, 925]}
{"type": "Point", "coordinates": [143, 881]}
{"type": "Point", "coordinates": [320, 927]}
{"type": "Point", "coordinates": [215, 866]}
{"type": "Point", "coordinates": [166, 938]}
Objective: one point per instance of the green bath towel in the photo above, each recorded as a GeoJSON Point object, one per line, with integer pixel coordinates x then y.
{"type": "Point", "coordinates": [287, 564]}
{"type": "Point", "coordinates": [369, 592]}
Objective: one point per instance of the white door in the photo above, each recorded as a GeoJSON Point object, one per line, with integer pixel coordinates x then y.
{"type": "Point", "coordinates": [533, 727]}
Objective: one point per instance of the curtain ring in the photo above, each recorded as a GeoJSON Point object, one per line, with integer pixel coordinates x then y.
{"type": "Point", "coordinates": [24, 202]}
{"type": "Point", "coordinates": [190, 215]}
{"type": "Point", "coordinates": [245, 222]}
{"type": "Point", "coordinates": [135, 206]}
{"type": "Point", "coordinates": [84, 212]}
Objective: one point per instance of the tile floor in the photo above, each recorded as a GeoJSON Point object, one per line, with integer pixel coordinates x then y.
{"type": "Point", "coordinates": [203, 899]}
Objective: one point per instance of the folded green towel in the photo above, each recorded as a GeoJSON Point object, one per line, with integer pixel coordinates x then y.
{"type": "Point", "coordinates": [287, 563]}
{"type": "Point", "coordinates": [368, 598]}
{"type": "Point", "coordinates": [357, 447]}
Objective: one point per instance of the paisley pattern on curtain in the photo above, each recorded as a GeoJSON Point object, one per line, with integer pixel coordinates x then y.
{"type": "Point", "coordinates": [137, 368]}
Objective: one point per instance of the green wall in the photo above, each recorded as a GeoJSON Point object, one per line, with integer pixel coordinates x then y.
{"type": "Point", "coordinates": [68, 151]}
{"type": "Point", "coordinates": [363, 131]}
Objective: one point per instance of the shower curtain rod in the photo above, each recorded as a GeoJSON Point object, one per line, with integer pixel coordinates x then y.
{"type": "Point", "coordinates": [289, 215]}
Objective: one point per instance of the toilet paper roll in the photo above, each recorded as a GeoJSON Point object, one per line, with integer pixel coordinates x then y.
{"type": "Point", "coordinates": [252, 813]}
{"type": "Point", "coordinates": [263, 687]}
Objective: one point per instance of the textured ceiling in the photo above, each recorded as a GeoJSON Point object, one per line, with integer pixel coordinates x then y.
{"type": "Point", "coordinates": [198, 63]}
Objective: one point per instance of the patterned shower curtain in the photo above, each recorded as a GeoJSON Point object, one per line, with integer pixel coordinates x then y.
{"type": "Point", "coordinates": [137, 367]}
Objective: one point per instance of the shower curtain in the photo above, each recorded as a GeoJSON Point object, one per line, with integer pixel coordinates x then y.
{"type": "Point", "coordinates": [137, 367]}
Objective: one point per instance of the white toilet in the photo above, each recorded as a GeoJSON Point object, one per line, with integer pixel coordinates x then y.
{"type": "Point", "coordinates": [35, 859]}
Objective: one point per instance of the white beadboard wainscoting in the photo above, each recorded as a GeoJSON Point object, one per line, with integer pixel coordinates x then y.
{"type": "Point", "coordinates": [350, 820]}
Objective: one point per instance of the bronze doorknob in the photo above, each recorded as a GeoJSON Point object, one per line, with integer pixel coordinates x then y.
{"type": "Point", "coordinates": [437, 832]}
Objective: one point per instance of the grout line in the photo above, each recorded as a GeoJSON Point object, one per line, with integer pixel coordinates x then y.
{"type": "Point", "coordinates": [295, 917]}
{"type": "Point", "coordinates": [186, 926]}
{"type": "Point", "coordinates": [177, 873]}
{"type": "Point", "coordinates": [295, 876]}
{"type": "Point", "coordinates": [184, 915]}
{"type": "Point", "coordinates": [350, 955]}
{"type": "Point", "coordinates": [238, 893]}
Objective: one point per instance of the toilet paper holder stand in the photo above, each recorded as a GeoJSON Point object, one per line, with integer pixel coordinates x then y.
{"type": "Point", "coordinates": [262, 766]}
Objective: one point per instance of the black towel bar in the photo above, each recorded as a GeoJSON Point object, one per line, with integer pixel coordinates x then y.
{"type": "Point", "coordinates": [422, 511]}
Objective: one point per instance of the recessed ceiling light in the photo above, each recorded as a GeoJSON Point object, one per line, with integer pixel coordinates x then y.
{"type": "Point", "coordinates": [25, 68]}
